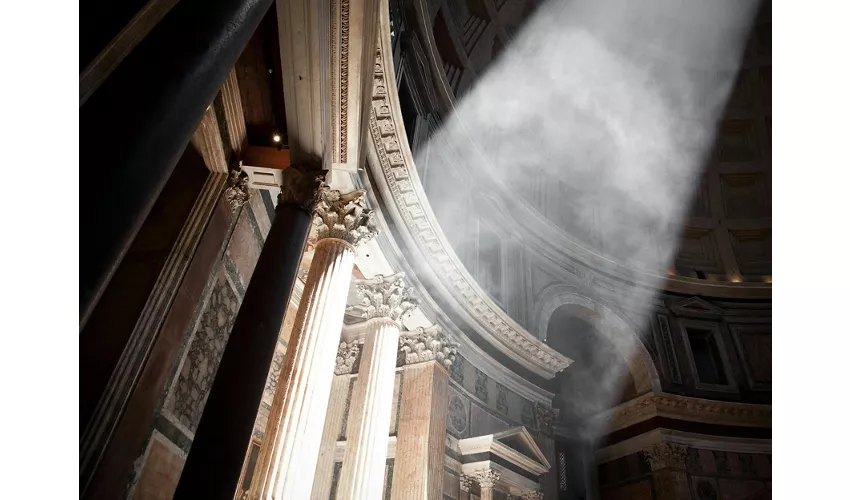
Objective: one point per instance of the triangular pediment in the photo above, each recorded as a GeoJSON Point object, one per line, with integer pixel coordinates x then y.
{"type": "Point", "coordinates": [520, 440]}
{"type": "Point", "coordinates": [697, 306]}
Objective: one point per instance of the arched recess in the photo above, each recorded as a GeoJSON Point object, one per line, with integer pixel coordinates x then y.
{"type": "Point", "coordinates": [617, 329]}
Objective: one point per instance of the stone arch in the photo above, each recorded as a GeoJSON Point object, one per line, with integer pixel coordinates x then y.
{"type": "Point", "coordinates": [617, 329]}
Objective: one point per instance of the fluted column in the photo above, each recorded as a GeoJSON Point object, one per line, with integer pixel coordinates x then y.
{"type": "Point", "coordinates": [383, 302]}
{"type": "Point", "coordinates": [486, 481]}
{"type": "Point", "coordinates": [421, 444]}
{"type": "Point", "coordinates": [289, 453]}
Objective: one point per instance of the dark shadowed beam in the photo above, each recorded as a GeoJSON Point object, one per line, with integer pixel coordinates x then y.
{"type": "Point", "coordinates": [134, 128]}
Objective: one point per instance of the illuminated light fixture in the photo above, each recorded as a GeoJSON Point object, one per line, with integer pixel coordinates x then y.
{"type": "Point", "coordinates": [276, 136]}
{"type": "Point", "coordinates": [735, 279]}
{"type": "Point", "coordinates": [768, 279]}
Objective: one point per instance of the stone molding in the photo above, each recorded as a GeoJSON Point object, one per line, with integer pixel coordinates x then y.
{"type": "Point", "coordinates": [207, 140]}
{"type": "Point", "coordinates": [237, 193]}
{"type": "Point", "coordinates": [486, 478]}
{"type": "Point", "coordinates": [426, 344]}
{"type": "Point", "coordinates": [344, 217]}
{"type": "Point", "coordinates": [346, 357]}
{"type": "Point", "coordinates": [666, 456]}
{"type": "Point", "coordinates": [396, 174]}
{"type": "Point", "coordinates": [383, 297]}
{"type": "Point", "coordinates": [684, 408]}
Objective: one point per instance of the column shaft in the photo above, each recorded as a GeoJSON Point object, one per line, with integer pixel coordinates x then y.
{"type": "Point", "coordinates": [287, 463]}
{"type": "Point", "coordinates": [420, 449]}
{"type": "Point", "coordinates": [330, 435]}
{"type": "Point", "coordinates": [135, 126]}
{"type": "Point", "coordinates": [371, 407]}
{"type": "Point", "coordinates": [215, 460]}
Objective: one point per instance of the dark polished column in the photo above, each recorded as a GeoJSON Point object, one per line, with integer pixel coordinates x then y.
{"type": "Point", "coordinates": [215, 459]}
{"type": "Point", "coordinates": [135, 127]}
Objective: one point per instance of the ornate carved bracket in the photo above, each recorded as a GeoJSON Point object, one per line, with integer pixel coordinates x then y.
{"type": "Point", "coordinates": [426, 344]}
{"type": "Point", "coordinates": [383, 297]}
{"type": "Point", "coordinates": [344, 216]}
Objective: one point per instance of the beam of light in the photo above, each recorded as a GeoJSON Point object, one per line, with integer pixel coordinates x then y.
{"type": "Point", "coordinates": [617, 101]}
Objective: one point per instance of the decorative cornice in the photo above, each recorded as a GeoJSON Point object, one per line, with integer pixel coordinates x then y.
{"type": "Point", "coordinates": [346, 357]}
{"type": "Point", "coordinates": [344, 217]}
{"type": "Point", "coordinates": [237, 193]}
{"type": "Point", "coordinates": [426, 344]}
{"type": "Point", "coordinates": [397, 177]}
{"type": "Point", "coordinates": [666, 455]}
{"type": "Point", "coordinates": [486, 477]}
{"type": "Point", "coordinates": [303, 186]}
{"type": "Point", "coordinates": [683, 408]}
{"type": "Point", "coordinates": [546, 417]}
{"type": "Point", "coordinates": [383, 297]}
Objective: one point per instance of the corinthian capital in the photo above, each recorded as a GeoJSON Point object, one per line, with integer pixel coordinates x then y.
{"type": "Point", "coordinates": [486, 477]}
{"type": "Point", "coordinates": [465, 482]}
{"type": "Point", "coordinates": [383, 297]}
{"type": "Point", "coordinates": [302, 185]}
{"type": "Point", "coordinates": [346, 356]}
{"type": "Point", "coordinates": [546, 417]}
{"type": "Point", "coordinates": [666, 455]}
{"type": "Point", "coordinates": [426, 344]}
{"type": "Point", "coordinates": [236, 194]}
{"type": "Point", "coordinates": [344, 216]}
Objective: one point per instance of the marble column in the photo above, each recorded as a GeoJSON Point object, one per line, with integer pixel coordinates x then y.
{"type": "Point", "coordinates": [289, 453]}
{"type": "Point", "coordinates": [134, 128]}
{"type": "Point", "coordinates": [667, 461]}
{"type": "Point", "coordinates": [215, 460]}
{"type": "Point", "coordinates": [421, 441]}
{"type": "Point", "coordinates": [383, 303]}
{"type": "Point", "coordinates": [487, 482]}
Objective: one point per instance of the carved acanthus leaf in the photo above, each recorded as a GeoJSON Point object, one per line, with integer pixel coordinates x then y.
{"type": "Point", "coordinates": [486, 477]}
{"type": "Point", "coordinates": [546, 417]}
{"type": "Point", "coordinates": [346, 357]}
{"type": "Point", "coordinates": [344, 216]}
{"type": "Point", "coordinates": [465, 482]}
{"type": "Point", "coordinates": [666, 455]}
{"type": "Point", "coordinates": [302, 185]}
{"type": "Point", "coordinates": [383, 297]}
{"type": "Point", "coordinates": [426, 344]}
{"type": "Point", "coordinates": [236, 194]}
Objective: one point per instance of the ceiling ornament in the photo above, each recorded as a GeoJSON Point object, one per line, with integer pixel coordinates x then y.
{"type": "Point", "coordinates": [236, 194]}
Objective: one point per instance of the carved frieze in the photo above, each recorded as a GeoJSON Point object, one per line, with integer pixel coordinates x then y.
{"type": "Point", "coordinates": [344, 216]}
{"type": "Point", "coordinates": [532, 495]}
{"type": "Point", "coordinates": [383, 297]}
{"type": "Point", "coordinates": [426, 344]}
